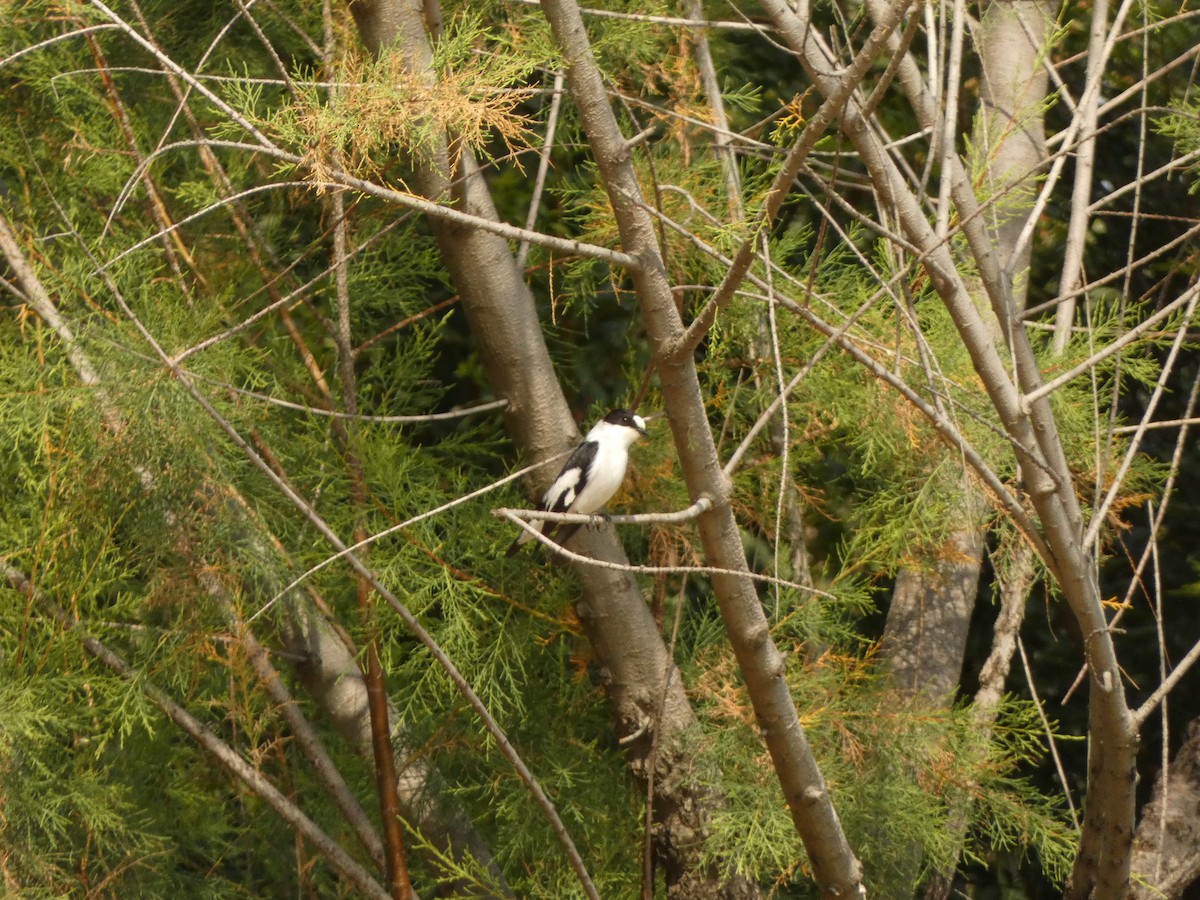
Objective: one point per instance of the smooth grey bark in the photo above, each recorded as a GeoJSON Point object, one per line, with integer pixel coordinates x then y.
{"type": "Point", "coordinates": [1166, 846]}
{"type": "Point", "coordinates": [1015, 585]}
{"type": "Point", "coordinates": [1012, 43]}
{"type": "Point", "coordinates": [636, 669]}
{"type": "Point", "coordinates": [925, 636]}
{"type": "Point", "coordinates": [1102, 865]}
{"type": "Point", "coordinates": [1081, 190]}
{"type": "Point", "coordinates": [835, 867]}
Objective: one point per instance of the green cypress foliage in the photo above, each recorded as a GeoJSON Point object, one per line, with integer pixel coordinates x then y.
{"type": "Point", "coordinates": [133, 516]}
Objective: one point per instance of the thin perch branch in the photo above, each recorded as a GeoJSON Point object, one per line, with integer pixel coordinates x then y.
{"type": "Point", "coordinates": [702, 505]}
{"type": "Point", "coordinates": [571, 555]}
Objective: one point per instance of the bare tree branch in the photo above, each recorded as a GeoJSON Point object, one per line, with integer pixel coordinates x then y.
{"type": "Point", "coordinates": [1102, 866]}
{"type": "Point", "coordinates": [1081, 192]}
{"type": "Point", "coordinates": [847, 84]}
{"type": "Point", "coordinates": [837, 871]}
{"type": "Point", "coordinates": [615, 617]}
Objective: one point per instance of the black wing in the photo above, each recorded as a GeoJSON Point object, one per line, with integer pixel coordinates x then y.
{"type": "Point", "coordinates": [566, 487]}
{"type": "Point", "coordinates": [562, 493]}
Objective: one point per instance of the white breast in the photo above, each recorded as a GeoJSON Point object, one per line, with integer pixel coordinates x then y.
{"type": "Point", "coordinates": [608, 471]}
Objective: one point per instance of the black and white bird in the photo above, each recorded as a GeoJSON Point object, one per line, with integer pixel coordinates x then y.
{"type": "Point", "coordinates": [591, 476]}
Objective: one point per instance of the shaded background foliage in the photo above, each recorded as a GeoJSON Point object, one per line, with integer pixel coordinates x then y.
{"type": "Point", "coordinates": [139, 811]}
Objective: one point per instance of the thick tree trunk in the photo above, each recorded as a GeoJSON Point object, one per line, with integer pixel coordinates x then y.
{"type": "Point", "coordinates": [1013, 44]}
{"type": "Point", "coordinates": [837, 871]}
{"type": "Point", "coordinates": [925, 637]}
{"type": "Point", "coordinates": [1102, 864]}
{"type": "Point", "coordinates": [926, 633]}
{"type": "Point", "coordinates": [636, 669]}
{"type": "Point", "coordinates": [1166, 846]}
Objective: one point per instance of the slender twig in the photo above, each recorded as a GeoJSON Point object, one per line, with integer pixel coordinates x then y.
{"type": "Point", "coordinates": [215, 206]}
{"type": "Point", "coordinates": [1113, 102]}
{"type": "Point", "coordinates": [1081, 191]}
{"type": "Point", "coordinates": [183, 93]}
{"type": "Point", "coordinates": [814, 129]}
{"type": "Point", "coordinates": [711, 84]}
{"type": "Point", "coordinates": [949, 112]}
{"type": "Point", "coordinates": [1165, 496]}
{"type": "Point", "coordinates": [282, 301]}
{"type": "Point", "coordinates": [723, 24]}
{"type": "Point", "coordinates": [269, 48]}
{"type": "Point", "coordinates": [779, 402]}
{"type": "Point", "coordinates": [1071, 135]}
{"type": "Point", "coordinates": [320, 84]}
{"type": "Point", "coordinates": [511, 516]}
{"type": "Point", "coordinates": [1184, 239]}
{"type": "Point", "coordinates": [539, 182]}
{"type": "Point", "coordinates": [167, 63]}
{"type": "Point", "coordinates": [1187, 297]}
{"type": "Point", "coordinates": [34, 294]}
{"type": "Point", "coordinates": [785, 431]}
{"type": "Point", "coordinates": [41, 45]}
{"type": "Point", "coordinates": [701, 506]}
{"type": "Point", "coordinates": [1146, 710]}
{"type": "Point", "coordinates": [1166, 423]}
{"type": "Point", "coordinates": [669, 672]}
{"type": "Point", "coordinates": [173, 247]}
{"type": "Point", "coordinates": [1051, 740]}
{"type": "Point", "coordinates": [371, 189]}
{"type": "Point", "coordinates": [415, 418]}
{"type": "Point", "coordinates": [1165, 748]}
{"type": "Point", "coordinates": [400, 526]}
{"type": "Point", "coordinates": [1118, 479]}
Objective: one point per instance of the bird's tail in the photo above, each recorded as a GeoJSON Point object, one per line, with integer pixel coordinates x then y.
{"type": "Point", "coordinates": [564, 531]}
{"type": "Point", "coordinates": [560, 533]}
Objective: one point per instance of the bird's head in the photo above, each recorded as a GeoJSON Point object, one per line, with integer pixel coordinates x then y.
{"type": "Point", "coordinates": [625, 418]}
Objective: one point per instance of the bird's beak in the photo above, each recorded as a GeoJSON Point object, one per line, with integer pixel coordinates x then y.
{"type": "Point", "coordinates": [641, 425]}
